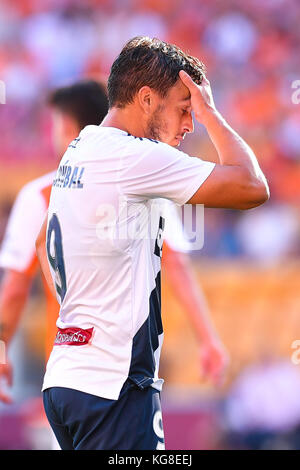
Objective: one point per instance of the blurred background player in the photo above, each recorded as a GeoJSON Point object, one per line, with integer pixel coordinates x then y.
{"type": "Point", "coordinates": [185, 288]}
{"type": "Point", "coordinates": [74, 107]}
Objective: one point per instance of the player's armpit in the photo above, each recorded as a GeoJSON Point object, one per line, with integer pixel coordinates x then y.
{"type": "Point", "coordinates": [231, 187]}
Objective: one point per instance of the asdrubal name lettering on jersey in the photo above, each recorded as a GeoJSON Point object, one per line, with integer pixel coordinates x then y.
{"type": "Point", "coordinates": [73, 336]}
{"type": "Point", "coordinates": [69, 176]}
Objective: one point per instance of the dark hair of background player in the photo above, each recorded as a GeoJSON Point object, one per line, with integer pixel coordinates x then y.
{"type": "Point", "coordinates": [152, 62]}
{"type": "Point", "coordinates": [86, 101]}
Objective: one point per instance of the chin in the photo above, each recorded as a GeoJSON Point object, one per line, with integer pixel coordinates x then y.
{"type": "Point", "coordinates": [173, 143]}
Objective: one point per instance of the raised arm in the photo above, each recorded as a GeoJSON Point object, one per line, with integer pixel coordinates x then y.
{"type": "Point", "coordinates": [237, 182]}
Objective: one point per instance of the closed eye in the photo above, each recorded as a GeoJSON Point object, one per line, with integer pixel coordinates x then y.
{"type": "Point", "coordinates": [186, 110]}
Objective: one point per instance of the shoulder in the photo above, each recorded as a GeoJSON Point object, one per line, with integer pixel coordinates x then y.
{"type": "Point", "coordinates": [38, 184]}
{"type": "Point", "coordinates": [35, 194]}
{"type": "Point", "coordinates": [158, 150]}
{"type": "Point", "coordinates": [35, 188]}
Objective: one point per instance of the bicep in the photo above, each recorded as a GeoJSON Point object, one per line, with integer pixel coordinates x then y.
{"type": "Point", "coordinates": [228, 186]}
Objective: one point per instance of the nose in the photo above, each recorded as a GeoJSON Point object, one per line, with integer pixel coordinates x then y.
{"type": "Point", "coordinates": [189, 123]}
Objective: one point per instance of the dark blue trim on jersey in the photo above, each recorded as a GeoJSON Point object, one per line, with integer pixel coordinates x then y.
{"type": "Point", "coordinates": [142, 138]}
{"type": "Point", "coordinates": [145, 341]}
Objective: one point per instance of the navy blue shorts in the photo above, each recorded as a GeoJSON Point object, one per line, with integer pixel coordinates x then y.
{"type": "Point", "coordinates": [81, 421]}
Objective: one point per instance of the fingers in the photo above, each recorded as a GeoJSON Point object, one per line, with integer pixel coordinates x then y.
{"type": "Point", "coordinates": [218, 378]}
{"type": "Point", "coordinates": [205, 81]}
{"type": "Point", "coordinates": [187, 80]}
{"type": "Point", "coordinates": [215, 375]}
{"type": "Point", "coordinates": [6, 373]}
{"type": "Point", "coordinates": [5, 398]}
{"type": "Point", "coordinates": [5, 380]}
{"type": "Point", "coordinates": [214, 365]}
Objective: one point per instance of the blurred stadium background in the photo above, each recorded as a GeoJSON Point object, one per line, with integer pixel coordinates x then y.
{"type": "Point", "coordinates": [249, 267]}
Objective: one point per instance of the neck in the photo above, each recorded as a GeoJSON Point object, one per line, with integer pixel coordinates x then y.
{"type": "Point", "coordinates": [125, 119]}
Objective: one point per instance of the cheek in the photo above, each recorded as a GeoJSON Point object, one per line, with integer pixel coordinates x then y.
{"type": "Point", "coordinates": [172, 120]}
{"type": "Point", "coordinates": [178, 117]}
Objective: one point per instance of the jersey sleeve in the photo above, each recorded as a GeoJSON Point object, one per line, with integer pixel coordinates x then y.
{"type": "Point", "coordinates": [161, 171]}
{"type": "Point", "coordinates": [26, 218]}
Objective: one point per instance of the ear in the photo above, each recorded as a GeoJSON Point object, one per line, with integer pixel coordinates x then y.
{"type": "Point", "coordinates": [146, 99]}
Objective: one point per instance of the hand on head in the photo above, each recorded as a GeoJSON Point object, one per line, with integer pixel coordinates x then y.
{"type": "Point", "coordinates": [201, 95]}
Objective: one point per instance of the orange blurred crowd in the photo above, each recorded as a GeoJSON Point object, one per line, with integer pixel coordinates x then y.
{"type": "Point", "coordinates": [251, 50]}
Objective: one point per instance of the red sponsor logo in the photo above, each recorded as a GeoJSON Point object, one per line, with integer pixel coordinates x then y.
{"type": "Point", "coordinates": [73, 336]}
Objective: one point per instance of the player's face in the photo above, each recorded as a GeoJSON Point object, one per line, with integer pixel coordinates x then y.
{"type": "Point", "coordinates": [172, 118]}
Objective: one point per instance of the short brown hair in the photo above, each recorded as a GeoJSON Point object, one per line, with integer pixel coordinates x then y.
{"type": "Point", "coordinates": [145, 61]}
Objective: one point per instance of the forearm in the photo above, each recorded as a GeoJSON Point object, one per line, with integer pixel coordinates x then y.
{"type": "Point", "coordinates": [14, 293]}
{"type": "Point", "coordinates": [231, 147]}
{"type": "Point", "coordinates": [190, 295]}
{"type": "Point", "coordinates": [193, 302]}
{"type": "Point", "coordinates": [235, 155]}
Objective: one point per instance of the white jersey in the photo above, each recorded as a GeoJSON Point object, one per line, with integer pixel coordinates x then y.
{"type": "Point", "coordinates": [104, 242]}
{"type": "Point", "coordinates": [25, 221]}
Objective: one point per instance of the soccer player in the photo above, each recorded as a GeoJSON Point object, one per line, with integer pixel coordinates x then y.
{"type": "Point", "coordinates": [72, 108]}
{"type": "Point", "coordinates": [103, 239]}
